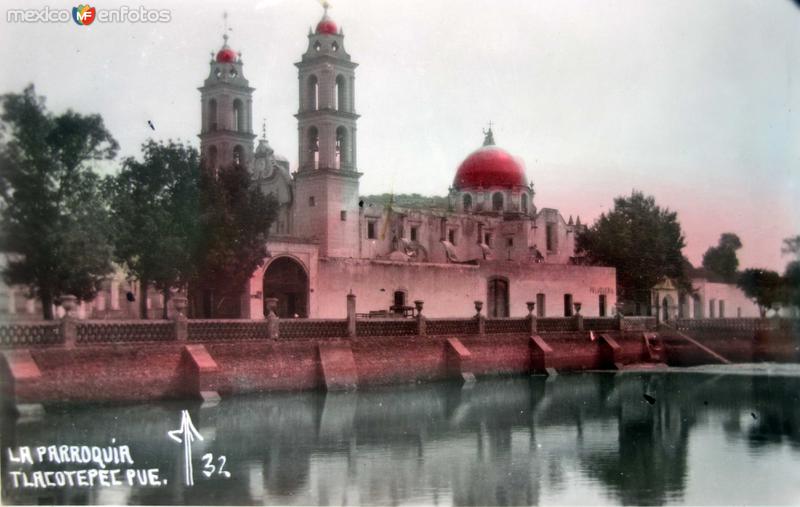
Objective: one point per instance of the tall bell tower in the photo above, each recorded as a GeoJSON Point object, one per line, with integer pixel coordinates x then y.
{"type": "Point", "coordinates": [226, 133]}
{"type": "Point", "coordinates": [327, 179]}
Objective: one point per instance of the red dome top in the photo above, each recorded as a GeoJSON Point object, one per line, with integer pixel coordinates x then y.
{"type": "Point", "coordinates": [226, 55]}
{"type": "Point", "coordinates": [489, 166]}
{"type": "Point", "coordinates": [327, 26]}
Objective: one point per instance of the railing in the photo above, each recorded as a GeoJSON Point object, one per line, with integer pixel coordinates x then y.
{"type": "Point", "coordinates": [27, 335]}
{"type": "Point", "coordinates": [103, 331]}
{"type": "Point", "coordinates": [452, 326]}
{"type": "Point", "coordinates": [386, 327]}
{"type": "Point", "coordinates": [72, 332]}
{"type": "Point", "coordinates": [496, 326]}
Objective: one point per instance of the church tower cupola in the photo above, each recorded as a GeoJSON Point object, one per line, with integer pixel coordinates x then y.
{"type": "Point", "coordinates": [226, 134]}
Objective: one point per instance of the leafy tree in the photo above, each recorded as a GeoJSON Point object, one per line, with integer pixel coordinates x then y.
{"type": "Point", "coordinates": [763, 286]}
{"type": "Point", "coordinates": [791, 280]}
{"type": "Point", "coordinates": [641, 240]}
{"type": "Point", "coordinates": [154, 208]}
{"type": "Point", "coordinates": [721, 260]}
{"type": "Point", "coordinates": [234, 220]}
{"type": "Point", "coordinates": [54, 223]}
{"type": "Point", "coordinates": [791, 246]}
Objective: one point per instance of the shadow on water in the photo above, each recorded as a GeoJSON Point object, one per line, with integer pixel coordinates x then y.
{"type": "Point", "coordinates": [508, 441]}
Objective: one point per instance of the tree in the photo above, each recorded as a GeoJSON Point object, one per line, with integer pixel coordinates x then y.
{"type": "Point", "coordinates": [791, 275]}
{"type": "Point", "coordinates": [235, 217]}
{"type": "Point", "coordinates": [54, 223]}
{"type": "Point", "coordinates": [721, 260]}
{"type": "Point", "coordinates": [763, 286]}
{"type": "Point", "coordinates": [641, 240]}
{"type": "Point", "coordinates": [154, 209]}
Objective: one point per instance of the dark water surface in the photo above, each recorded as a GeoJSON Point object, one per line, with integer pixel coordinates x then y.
{"type": "Point", "coordinates": [703, 438]}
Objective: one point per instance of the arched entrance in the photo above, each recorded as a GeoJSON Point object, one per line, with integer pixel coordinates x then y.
{"type": "Point", "coordinates": [497, 296]}
{"type": "Point", "coordinates": [286, 280]}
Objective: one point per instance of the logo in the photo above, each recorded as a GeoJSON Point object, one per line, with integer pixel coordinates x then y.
{"type": "Point", "coordinates": [83, 14]}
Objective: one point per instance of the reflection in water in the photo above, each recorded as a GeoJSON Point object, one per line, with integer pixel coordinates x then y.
{"type": "Point", "coordinates": [586, 438]}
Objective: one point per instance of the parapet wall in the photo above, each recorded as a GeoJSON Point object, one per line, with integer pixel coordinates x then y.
{"type": "Point", "coordinates": [144, 362]}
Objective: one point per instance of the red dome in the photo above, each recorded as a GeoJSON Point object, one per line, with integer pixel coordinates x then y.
{"type": "Point", "coordinates": [327, 26]}
{"type": "Point", "coordinates": [487, 167]}
{"type": "Point", "coordinates": [226, 55]}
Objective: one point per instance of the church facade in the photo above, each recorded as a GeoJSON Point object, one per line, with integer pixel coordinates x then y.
{"type": "Point", "coordinates": [490, 243]}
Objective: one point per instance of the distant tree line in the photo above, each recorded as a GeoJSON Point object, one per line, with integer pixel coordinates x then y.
{"type": "Point", "coordinates": [644, 242]}
{"type": "Point", "coordinates": [167, 222]}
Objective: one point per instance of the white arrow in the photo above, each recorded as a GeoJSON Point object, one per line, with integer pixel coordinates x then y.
{"type": "Point", "coordinates": [189, 433]}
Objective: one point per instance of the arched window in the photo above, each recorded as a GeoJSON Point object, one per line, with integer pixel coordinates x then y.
{"type": "Point", "coordinates": [524, 203]}
{"type": "Point", "coordinates": [238, 116]}
{"type": "Point", "coordinates": [497, 201]}
{"type": "Point", "coordinates": [467, 200]}
{"type": "Point", "coordinates": [212, 158]}
{"type": "Point", "coordinates": [313, 93]}
{"type": "Point", "coordinates": [341, 91]}
{"type": "Point", "coordinates": [212, 115]}
{"type": "Point", "coordinates": [238, 155]}
{"type": "Point", "coordinates": [313, 147]}
{"type": "Point", "coordinates": [342, 154]}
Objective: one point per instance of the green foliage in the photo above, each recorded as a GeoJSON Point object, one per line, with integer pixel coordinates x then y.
{"type": "Point", "coordinates": [791, 280]}
{"type": "Point", "coordinates": [641, 240]}
{"type": "Point", "coordinates": [54, 223]}
{"type": "Point", "coordinates": [721, 260]}
{"type": "Point", "coordinates": [791, 246]}
{"type": "Point", "coordinates": [233, 225]}
{"type": "Point", "coordinates": [409, 200]}
{"type": "Point", "coordinates": [763, 286]}
{"type": "Point", "coordinates": [154, 209]}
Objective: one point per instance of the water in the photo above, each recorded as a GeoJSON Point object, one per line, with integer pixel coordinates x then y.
{"type": "Point", "coordinates": [708, 438]}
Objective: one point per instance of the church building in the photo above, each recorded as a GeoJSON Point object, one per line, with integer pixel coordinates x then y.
{"type": "Point", "coordinates": [489, 243]}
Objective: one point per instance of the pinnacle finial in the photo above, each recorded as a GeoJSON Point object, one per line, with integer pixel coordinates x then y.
{"type": "Point", "coordinates": [264, 129]}
{"type": "Point", "coordinates": [488, 136]}
{"type": "Point", "coordinates": [225, 28]}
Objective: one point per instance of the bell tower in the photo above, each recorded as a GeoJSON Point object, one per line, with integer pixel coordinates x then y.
{"type": "Point", "coordinates": [226, 98]}
{"type": "Point", "coordinates": [327, 179]}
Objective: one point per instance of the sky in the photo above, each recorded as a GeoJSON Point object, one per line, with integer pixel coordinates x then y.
{"type": "Point", "coordinates": [694, 102]}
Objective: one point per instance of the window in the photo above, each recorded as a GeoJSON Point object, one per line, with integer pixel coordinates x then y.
{"type": "Point", "coordinates": [342, 153]}
{"type": "Point", "coordinates": [497, 295]}
{"type": "Point", "coordinates": [488, 239]}
{"type": "Point", "coordinates": [371, 229]}
{"type": "Point", "coordinates": [334, 46]}
{"type": "Point", "coordinates": [313, 147]}
{"type": "Point", "coordinates": [212, 158]}
{"type": "Point", "coordinates": [721, 309]}
{"type": "Point", "coordinates": [509, 242]}
{"type": "Point", "coordinates": [238, 116]}
{"type": "Point", "coordinates": [340, 94]}
{"type": "Point", "coordinates": [524, 202]}
{"type": "Point", "coordinates": [497, 201]}
{"type": "Point", "coordinates": [451, 236]}
{"type": "Point", "coordinates": [317, 46]}
{"type": "Point", "coordinates": [311, 201]}
{"type": "Point", "coordinates": [399, 301]}
{"type": "Point", "coordinates": [540, 302]}
{"type": "Point", "coordinates": [313, 93]}
{"type": "Point", "coordinates": [238, 155]}
{"type": "Point", "coordinates": [212, 115]}
{"type": "Point", "coordinates": [567, 305]}
{"type": "Point", "coordinates": [467, 201]}
{"type": "Point", "coordinates": [697, 311]}
{"type": "Point", "coordinates": [343, 215]}
{"type": "Point", "coordinates": [550, 231]}
{"type": "Point", "coordinates": [414, 230]}
{"type": "Point", "coordinates": [739, 312]}
{"type": "Point", "coordinates": [602, 305]}
{"type": "Point", "coordinates": [711, 305]}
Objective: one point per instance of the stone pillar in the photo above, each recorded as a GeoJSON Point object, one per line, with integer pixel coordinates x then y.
{"type": "Point", "coordinates": [422, 325]}
{"type": "Point", "coordinates": [620, 317]}
{"type": "Point", "coordinates": [179, 303]}
{"type": "Point", "coordinates": [273, 322]}
{"type": "Point", "coordinates": [532, 327]}
{"type": "Point", "coordinates": [480, 318]}
{"type": "Point", "coordinates": [351, 315]}
{"type": "Point", "coordinates": [578, 317]}
{"type": "Point", "coordinates": [68, 321]}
